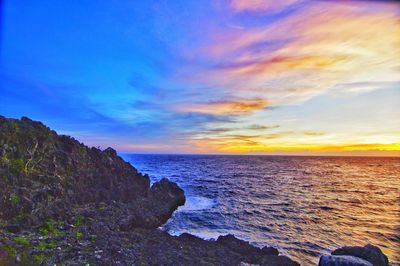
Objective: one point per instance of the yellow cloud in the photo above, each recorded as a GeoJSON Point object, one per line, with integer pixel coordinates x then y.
{"type": "Point", "coordinates": [238, 107]}
{"type": "Point", "coordinates": [313, 133]}
{"type": "Point", "coordinates": [238, 145]}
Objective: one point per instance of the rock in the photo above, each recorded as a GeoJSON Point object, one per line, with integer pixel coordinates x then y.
{"type": "Point", "coordinates": [277, 261]}
{"type": "Point", "coordinates": [342, 260]}
{"type": "Point", "coordinates": [254, 255]}
{"type": "Point", "coordinates": [111, 152]}
{"type": "Point", "coordinates": [47, 175]}
{"type": "Point", "coordinates": [369, 253]}
{"type": "Point", "coordinates": [77, 204]}
{"type": "Point", "coordinates": [163, 199]}
{"type": "Point", "coordinates": [13, 228]}
{"type": "Point", "coordinates": [244, 247]}
{"type": "Point", "coordinates": [165, 190]}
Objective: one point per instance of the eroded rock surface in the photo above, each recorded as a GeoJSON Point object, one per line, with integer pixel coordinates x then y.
{"type": "Point", "coordinates": [343, 260]}
{"type": "Point", "coordinates": [64, 203]}
{"type": "Point", "coordinates": [354, 256]}
{"type": "Point", "coordinates": [45, 175]}
{"type": "Point", "coordinates": [369, 253]}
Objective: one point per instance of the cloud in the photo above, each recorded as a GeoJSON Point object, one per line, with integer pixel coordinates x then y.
{"type": "Point", "coordinates": [261, 127]}
{"type": "Point", "coordinates": [363, 87]}
{"type": "Point", "coordinates": [310, 52]}
{"type": "Point", "coordinates": [278, 64]}
{"type": "Point", "coordinates": [260, 5]}
{"type": "Point", "coordinates": [259, 144]}
{"type": "Point", "coordinates": [217, 77]}
{"type": "Point", "coordinates": [313, 133]}
{"type": "Point", "coordinates": [230, 108]}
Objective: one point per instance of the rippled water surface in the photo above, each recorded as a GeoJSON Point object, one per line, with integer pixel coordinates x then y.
{"type": "Point", "coordinates": [304, 206]}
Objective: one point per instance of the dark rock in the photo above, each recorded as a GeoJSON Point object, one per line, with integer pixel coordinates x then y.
{"type": "Point", "coordinates": [342, 260]}
{"type": "Point", "coordinates": [249, 253]}
{"type": "Point", "coordinates": [13, 228]}
{"type": "Point", "coordinates": [369, 253]}
{"type": "Point", "coordinates": [269, 251]}
{"type": "Point", "coordinates": [277, 261]}
{"type": "Point", "coordinates": [243, 247]}
{"type": "Point", "coordinates": [111, 152]}
{"type": "Point", "coordinates": [42, 169]}
{"type": "Point", "coordinates": [163, 199]}
{"type": "Point", "coordinates": [68, 204]}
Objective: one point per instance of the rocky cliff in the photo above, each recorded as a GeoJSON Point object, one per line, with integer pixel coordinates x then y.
{"type": "Point", "coordinates": [45, 175]}
{"type": "Point", "coordinates": [64, 203]}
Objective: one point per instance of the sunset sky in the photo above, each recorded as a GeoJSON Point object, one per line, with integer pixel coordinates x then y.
{"type": "Point", "coordinates": [218, 76]}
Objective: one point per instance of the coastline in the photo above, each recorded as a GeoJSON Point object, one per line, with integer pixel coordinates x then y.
{"type": "Point", "coordinates": [65, 203]}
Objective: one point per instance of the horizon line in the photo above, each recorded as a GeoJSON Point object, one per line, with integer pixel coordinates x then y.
{"type": "Point", "coordinates": [249, 154]}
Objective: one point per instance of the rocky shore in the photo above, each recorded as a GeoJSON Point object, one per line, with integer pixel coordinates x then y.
{"type": "Point", "coordinates": [64, 203]}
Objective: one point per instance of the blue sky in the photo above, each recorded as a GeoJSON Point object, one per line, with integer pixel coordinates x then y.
{"type": "Point", "coordinates": [294, 77]}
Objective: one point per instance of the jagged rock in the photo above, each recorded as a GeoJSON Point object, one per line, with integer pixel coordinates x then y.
{"type": "Point", "coordinates": [254, 255]}
{"type": "Point", "coordinates": [67, 204]}
{"type": "Point", "coordinates": [46, 175]}
{"type": "Point", "coordinates": [277, 261]}
{"type": "Point", "coordinates": [369, 253]}
{"type": "Point", "coordinates": [164, 197]}
{"type": "Point", "coordinates": [342, 260]}
{"type": "Point", "coordinates": [243, 247]}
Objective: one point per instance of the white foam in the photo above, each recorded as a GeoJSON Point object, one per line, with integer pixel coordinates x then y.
{"type": "Point", "coordinates": [197, 203]}
{"type": "Point", "coordinates": [208, 235]}
{"type": "Point", "coordinates": [203, 234]}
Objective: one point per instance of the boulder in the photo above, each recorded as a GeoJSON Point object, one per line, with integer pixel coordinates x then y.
{"type": "Point", "coordinates": [369, 253]}
{"type": "Point", "coordinates": [342, 260]}
{"type": "Point", "coordinates": [163, 199]}
{"type": "Point", "coordinates": [244, 247]}
{"type": "Point", "coordinates": [252, 254]}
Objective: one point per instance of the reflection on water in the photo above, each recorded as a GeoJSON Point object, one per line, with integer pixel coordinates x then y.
{"type": "Point", "coordinates": [305, 206]}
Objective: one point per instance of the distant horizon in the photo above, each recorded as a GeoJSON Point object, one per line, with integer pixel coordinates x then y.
{"type": "Point", "coordinates": [369, 153]}
{"type": "Point", "coordinates": [252, 154]}
{"type": "Point", "coordinates": [293, 77]}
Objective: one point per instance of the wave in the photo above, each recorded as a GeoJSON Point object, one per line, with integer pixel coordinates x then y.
{"type": "Point", "coordinates": [197, 203]}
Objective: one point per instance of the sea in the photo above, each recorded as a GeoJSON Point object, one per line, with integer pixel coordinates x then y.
{"type": "Point", "coordinates": [303, 206]}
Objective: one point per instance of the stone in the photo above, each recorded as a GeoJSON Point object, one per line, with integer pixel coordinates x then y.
{"type": "Point", "coordinates": [342, 260]}
{"type": "Point", "coordinates": [369, 253]}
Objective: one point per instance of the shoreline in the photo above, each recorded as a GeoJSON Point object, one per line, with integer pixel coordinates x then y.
{"type": "Point", "coordinates": [65, 203]}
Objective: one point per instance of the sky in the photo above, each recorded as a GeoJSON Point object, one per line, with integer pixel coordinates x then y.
{"type": "Point", "coordinates": [220, 76]}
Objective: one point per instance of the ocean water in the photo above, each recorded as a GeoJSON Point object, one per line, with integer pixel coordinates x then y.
{"type": "Point", "coordinates": [304, 206]}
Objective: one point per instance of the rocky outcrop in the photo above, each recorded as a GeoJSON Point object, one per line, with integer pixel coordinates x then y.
{"type": "Point", "coordinates": [355, 255]}
{"type": "Point", "coordinates": [64, 203]}
{"type": "Point", "coordinates": [46, 175]}
{"type": "Point", "coordinates": [165, 196]}
{"type": "Point", "coordinates": [253, 255]}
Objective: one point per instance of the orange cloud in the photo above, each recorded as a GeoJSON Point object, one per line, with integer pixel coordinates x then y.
{"type": "Point", "coordinates": [239, 107]}
{"type": "Point", "coordinates": [286, 63]}
{"type": "Point", "coordinates": [324, 47]}
{"type": "Point", "coordinates": [321, 47]}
